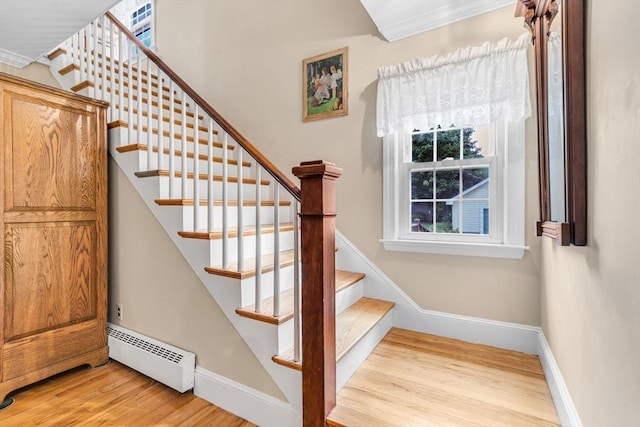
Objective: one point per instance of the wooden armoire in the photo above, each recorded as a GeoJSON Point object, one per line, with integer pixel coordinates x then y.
{"type": "Point", "coordinates": [53, 201]}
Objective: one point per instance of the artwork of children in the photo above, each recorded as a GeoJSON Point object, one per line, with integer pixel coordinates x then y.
{"type": "Point", "coordinates": [325, 85]}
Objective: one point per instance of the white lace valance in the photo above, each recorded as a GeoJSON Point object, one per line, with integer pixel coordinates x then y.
{"type": "Point", "coordinates": [473, 86]}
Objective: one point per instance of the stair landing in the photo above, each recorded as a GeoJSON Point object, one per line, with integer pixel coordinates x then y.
{"type": "Point", "coordinates": [414, 379]}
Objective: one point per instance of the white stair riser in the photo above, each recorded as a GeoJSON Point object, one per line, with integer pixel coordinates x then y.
{"type": "Point", "coordinates": [214, 247]}
{"type": "Point", "coordinates": [121, 133]}
{"type": "Point", "coordinates": [249, 247]}
{"type": "Point", "coordinates": [163, 163]}
{"type": "Point", "coordinates": [248, 285]}
{"type": "Point", "coordinates": [248, 218]}
{"type": "Point", "coordinates": [347, 297]}
{"type": "Point", "coordinates": [248, 190]}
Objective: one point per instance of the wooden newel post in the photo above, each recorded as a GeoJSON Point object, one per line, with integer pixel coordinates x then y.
{"type": "Point", "coordinates": [318, 218]}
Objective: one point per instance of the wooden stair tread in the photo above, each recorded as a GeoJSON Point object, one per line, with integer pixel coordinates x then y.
{"type": "Point", "coordinates": [344, 279]}
{"type": "Point", "coordinates": [86, 83]}
{"type": "Point", "coordinates": [286, 259]}
{"type": "Point", "coordinates": [203, 176]}
{"type": "Point", "coordinates": [165, 132]}
{"type": "Point", "coordinates": [166, 119]}
{"type": "Point", "coordinates": [351, 326]}
{"type": "Point", "coordinates": [189, 202]}
{"type": "Point", "coordinates": [178, 153]}
{"type": "Point", "coordinates": [233, 232]}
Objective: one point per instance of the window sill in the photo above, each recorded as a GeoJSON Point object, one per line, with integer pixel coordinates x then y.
{"type": "Point", "coordinates": [489, 250]}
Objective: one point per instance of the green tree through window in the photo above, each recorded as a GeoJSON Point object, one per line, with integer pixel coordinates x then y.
{"type": "Point", "coordinates": [439, 190]}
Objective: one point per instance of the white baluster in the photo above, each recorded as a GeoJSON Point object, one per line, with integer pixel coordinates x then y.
{"type": "Point", "coordinates": [297, 330]}
{"type": "Point", "coordinates": [183, 163]}
{"type": "Point", "coordinates": [103, 32]}
{"type": "Point", "coordinates": [196, 172]}
{"type": "Point", "coordinates": [93, 64]}
{"type": "Point", "coordinates": [149, 114]}
{"type": "Point", "coordinates": [160, 124]}
{"type": "Point", "coordinates": [121, 59]}
{"type": "Point", "coordinates": [139, 94]}
{"type": "Point", "coordinates": [276, 249]}
{"type": "Point", "coordinates": [82, 51]}
{"type": "Point", "coordinates": [210, 141]}
{"type": "Point", "coordinates": [130, 117]}
{"type": "Point", "coordinates": [240, 199]}
{"type": "Point", "coordinates": [225, 204]}
{"type": "Point", "coordinates": [258, 277]}
{"type": "Point", "coordinates": [172, 141]}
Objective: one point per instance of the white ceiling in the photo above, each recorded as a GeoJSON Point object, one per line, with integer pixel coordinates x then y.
{"type": "Point", "coordinates": [398, 19]}
{"type": "Point", "coordinates": [31, 28]}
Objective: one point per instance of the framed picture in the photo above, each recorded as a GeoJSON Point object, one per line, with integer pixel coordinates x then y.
{"type": "Point", "coordinates": [324, 85]}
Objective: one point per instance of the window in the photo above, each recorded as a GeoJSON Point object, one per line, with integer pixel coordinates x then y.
{"type": "Point", "coordinates": [142, 25]}
{"type": "Point", "coordinates": [139, 17]}
{"type": "Point", "coordinates": [449, 173]}
{"type": "Point", "coordinates": [455, 188]}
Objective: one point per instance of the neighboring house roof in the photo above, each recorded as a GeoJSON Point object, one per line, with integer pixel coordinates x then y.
{"type": "Point", "coordinates": [469, 190]}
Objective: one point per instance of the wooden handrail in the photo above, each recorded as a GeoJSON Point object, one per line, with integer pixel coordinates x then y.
{"type": "Point", "coordinates": [276, 173]}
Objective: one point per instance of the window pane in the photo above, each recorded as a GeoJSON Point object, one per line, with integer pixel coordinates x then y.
{"type": "Point", "coordinates": [475, 142]}
{"type": "Point", "coordinates": [447, 183]}
{"type": "Point", "coordinates": [422, 147]}
{"type": "Point", "coordinates": [422, 185]}
{"type": "Point", "coordinates": [444, 216]}
{"type": "Point", "coordinates": [475, 216]}
{"type": "Point", "coordinates": [475, 182]}
{"type": "Point", "coordinates": [421, 217]}
{"type": "Point", "coordinates": [448, 142]}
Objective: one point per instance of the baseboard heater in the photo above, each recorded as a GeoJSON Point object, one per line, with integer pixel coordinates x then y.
{"type": "Point", "coordinates": [164, 363]}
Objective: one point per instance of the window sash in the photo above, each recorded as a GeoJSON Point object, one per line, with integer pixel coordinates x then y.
{"type": "Point", "coordinates": [404, 218]}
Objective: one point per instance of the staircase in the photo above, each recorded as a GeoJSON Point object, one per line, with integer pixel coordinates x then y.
{"type": "Point", "coordinates": [232, 214]}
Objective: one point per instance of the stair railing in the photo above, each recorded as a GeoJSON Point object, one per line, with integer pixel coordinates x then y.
{"type": "Point", "coordinates": [115, 66]}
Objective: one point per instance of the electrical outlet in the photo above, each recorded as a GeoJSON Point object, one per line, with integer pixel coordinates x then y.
{"type": "Point", "coordinates": [119, 311]}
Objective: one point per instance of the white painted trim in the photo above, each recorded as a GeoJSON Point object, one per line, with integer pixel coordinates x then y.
{"type": "Point", "coordinates": [561, 398]}
{"type": "Point", "coordinates": [245, 402]}
{"type": "Point", "coordinates": [489, 250]}
{"type": "Point", "coordinates": [506, 207]}
{"type": "Point", "coordinates": [408, 315]}
{"type": "Point", "coordinates": [14, 59]}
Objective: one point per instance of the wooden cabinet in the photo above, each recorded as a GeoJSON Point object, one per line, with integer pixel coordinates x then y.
{"type": "Point", "coordinates": [53, 200]}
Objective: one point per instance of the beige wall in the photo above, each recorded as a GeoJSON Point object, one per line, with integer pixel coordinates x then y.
{"type": "Point", "coordinates": [35, 72]}
{"type": "Point", "coordinates": [591, 295]}
{"type": "Point", "coordinates": [245, 58]}
{"type": "Point", "coordinates": [161, 295]}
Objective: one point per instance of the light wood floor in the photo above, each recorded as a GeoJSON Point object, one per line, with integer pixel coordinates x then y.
{"type": "Point", "coordinates": [111, 395]}
{"type": "Point", "coordinates": [410, 379]}
{"type": "Point", "coordinates": [414, 379]}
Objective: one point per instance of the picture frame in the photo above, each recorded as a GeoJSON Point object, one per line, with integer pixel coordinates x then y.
{"type": "Point", "coordinates": [325, 85]}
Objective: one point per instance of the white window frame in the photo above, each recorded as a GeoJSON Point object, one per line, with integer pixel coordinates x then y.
{"type": "Point", "coordinates": [149, 20]}
{"type": "Point", "coordinates": [506, 238]}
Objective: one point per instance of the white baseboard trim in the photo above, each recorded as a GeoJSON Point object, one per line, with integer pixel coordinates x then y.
{"type": "Point", "coordinates": [408, 315]}
{"type": "Point", "coordinates": [561, 398]}
{"type": "Point", "coordinates": [512, 336]}
{"type": "Point", "coordinates": [252, 405]}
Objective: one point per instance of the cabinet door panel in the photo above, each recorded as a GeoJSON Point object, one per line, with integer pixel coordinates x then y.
{"type": "Point", "coordinates": [50, 278]}
{"type": "Point", "coordinates": [52, 154]}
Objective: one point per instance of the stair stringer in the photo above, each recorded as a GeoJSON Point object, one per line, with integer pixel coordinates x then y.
{"type": "Point", "coordinates": [261, 338]}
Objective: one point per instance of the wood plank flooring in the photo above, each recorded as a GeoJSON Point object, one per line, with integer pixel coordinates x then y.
{"type": "Point", "coordinates": [414, 379]}
{"type": "Point", "coordinates": [111, 395]}
{"type": "Point", "coordinates": [410, 379]}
